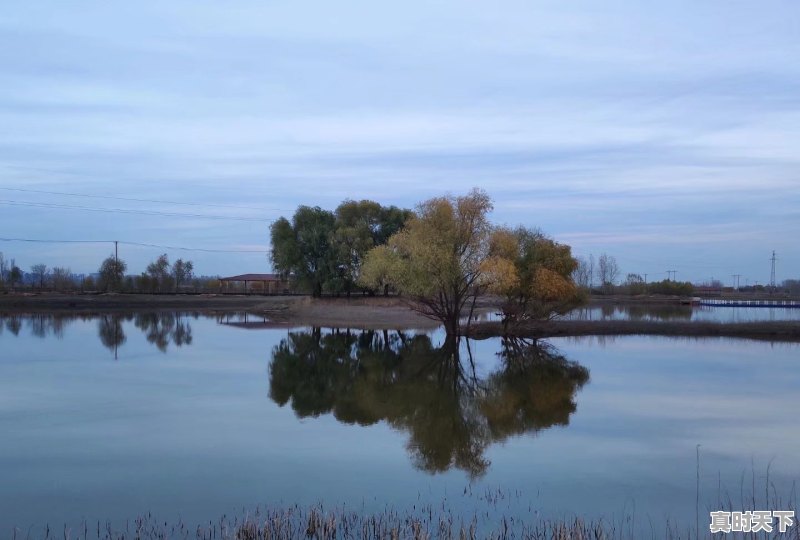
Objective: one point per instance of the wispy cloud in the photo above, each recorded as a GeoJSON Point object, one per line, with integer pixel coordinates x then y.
{"type": "Point", "coordinates": [650, 131]}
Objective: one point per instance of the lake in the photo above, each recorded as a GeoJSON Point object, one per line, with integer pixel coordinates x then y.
{"type": "Point", "coordinates": [193, 416]}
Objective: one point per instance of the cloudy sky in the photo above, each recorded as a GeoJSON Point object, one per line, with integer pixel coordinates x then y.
{"type": "Point", "coordinates": [664, 133]}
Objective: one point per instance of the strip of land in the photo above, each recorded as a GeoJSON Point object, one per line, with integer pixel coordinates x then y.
{"type": "Point", "coordinates": [772, 330]}
{"type": "Point", "coordinates": [356, 312]}
{"type": "Point", "coordinates": [381, 313]}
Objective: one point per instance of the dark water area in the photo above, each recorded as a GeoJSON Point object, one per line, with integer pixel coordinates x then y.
{"type": "Point", "coordinates": [193, 416]}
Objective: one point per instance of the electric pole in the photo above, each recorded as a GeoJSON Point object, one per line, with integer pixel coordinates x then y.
{"type": "Point", "coordinates": [772, 273]}
{"type": "Point", "coordinates": [116, 253]}
{"type": "Point", "coordinates": [736, 281]}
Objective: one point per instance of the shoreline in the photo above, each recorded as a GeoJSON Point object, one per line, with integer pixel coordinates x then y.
{"type": "Point", "coordinates": [385, 313]}
{"type": "Point", "coordinates": [788, 331]}
{"type": "Point", "coordinates": [356, 312]}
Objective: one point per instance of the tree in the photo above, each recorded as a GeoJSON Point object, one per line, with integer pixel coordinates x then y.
{"type": "Point", "coordinates": [112, 272]}
{"type": "Point", "coordinates": [607, 271]}
{"type": "Point", "coordinates": [532, 273]}
{"type": "Point", "coordinates": [670, 287]}
{"type": "Point", "coordinates": [182, 272]}
{"type": "Point", "coordinates": [635, 284]}
{"type": "Point", "coordinates": [62, 278]}
{"type": "Point", "coordinates": [303, 248]}
{"type": "Point", "coordinates": [791, 286]}
{"type": "Point", "coordinates": [15, 274]}
{"type": "Point", "coordinates": [4, 269]}
{"type": "Point", "coordinates": [360, 226]}
{"type": "Point", "coordinates": [88, 284]}
{"type": "Point", "coordinates": [40, 271]}
{"type": "Point", "coordinates": [582, 276]}
{"type": "Point", "coordinates": [436, 260]}
{"type": "Point", "coordinates": [159, 273]}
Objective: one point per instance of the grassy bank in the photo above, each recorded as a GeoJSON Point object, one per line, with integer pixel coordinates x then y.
{"type": "Point", "coordinates": [423, 522]}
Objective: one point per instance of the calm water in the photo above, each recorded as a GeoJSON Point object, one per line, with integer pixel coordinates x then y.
{"type": "Point", "coordinates": [190, 416]}
{"type": "Point", "coordinates": [685, 313]}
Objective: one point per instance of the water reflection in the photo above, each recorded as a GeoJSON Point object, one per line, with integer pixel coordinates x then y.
{"type": "Point", "coordinates": [435, 394]}
{"type": "Point", "coordinates": [161, 329]}
{"type": "Point", "coordinates": [674, 312]}
{"type": "Point", "coordinates": [633, 312]}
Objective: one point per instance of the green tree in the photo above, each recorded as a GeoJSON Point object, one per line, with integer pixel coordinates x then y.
{"type": "Point", "coordinates": [303, 248]}
{"type": "Point", "coordinates": [669, 287]}
{"type": "Point", "coordinates": [112, 272]}
{"type": "Point", "coordinates": [360, 226]}
{"type": "Point", "coordinates": [436, 260]}
{"type": "Point", "coordinates": [635, 284]}
{"type": "Point", "coordinates": [532, 273]}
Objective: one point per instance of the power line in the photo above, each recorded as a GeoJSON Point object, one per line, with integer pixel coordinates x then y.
{"type": "Point", "coordinates": [262, 251]}
{"type": "Point", "coordinates": [129, 211]}
{"type": "Point", "coordinates": [133, 199]}
{"type": "Point", "coordinates": [141, 244]}
{"type": "Point", "coordinates": [56, 241]}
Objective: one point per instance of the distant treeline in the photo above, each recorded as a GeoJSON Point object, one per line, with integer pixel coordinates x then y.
{"type": "Point", "coordinates": [159, 276]}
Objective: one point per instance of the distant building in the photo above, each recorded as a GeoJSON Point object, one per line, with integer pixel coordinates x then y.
{"type": "Point", "coordinates": [257, 283]}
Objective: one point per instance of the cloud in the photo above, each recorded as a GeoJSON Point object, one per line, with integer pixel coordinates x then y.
{"type": "Point", "coordinates": [623, 126]}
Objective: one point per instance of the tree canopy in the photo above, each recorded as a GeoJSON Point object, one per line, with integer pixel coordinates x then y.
{"type": "Point", "coordinates": [112, 271]}
{"type": "Point", "coordinates": [324, 250]}
{"type": "Point", "coordinates": [436, 259]}
{"type": "Point", "coordinates": [532, 274]}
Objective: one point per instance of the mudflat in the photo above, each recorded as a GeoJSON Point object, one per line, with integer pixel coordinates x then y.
{"type": "Point", "coordinates": [355, 312]}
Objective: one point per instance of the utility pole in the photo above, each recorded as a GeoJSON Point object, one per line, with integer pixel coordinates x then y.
{"type": "Point", "coordinates": [671, 275]}
{"type": "Point", "coordinates": [116, 253]}
{"type": "Point", "coordinates": [645, 279]}
{"type": "Point", "coordinates": [736, 281]}
{"type": "Point", "coordinates": [772, 273]}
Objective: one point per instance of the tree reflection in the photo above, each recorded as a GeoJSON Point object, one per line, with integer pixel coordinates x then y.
{"type": "Point", "coordinates": [109, 329]}
{"type": "Point", "coordinates": [160, 329]}
{"type": "Point", "coordinates": [450, 413]}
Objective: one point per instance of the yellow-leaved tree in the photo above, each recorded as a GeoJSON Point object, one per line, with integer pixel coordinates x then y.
{"type": "Point", "coordinates": [532, 274]}
{"type": "Point", "coordinates": [437, 260]}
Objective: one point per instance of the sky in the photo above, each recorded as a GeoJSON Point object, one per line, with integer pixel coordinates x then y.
{"type": "Point", "coordinates": [666, 134]}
